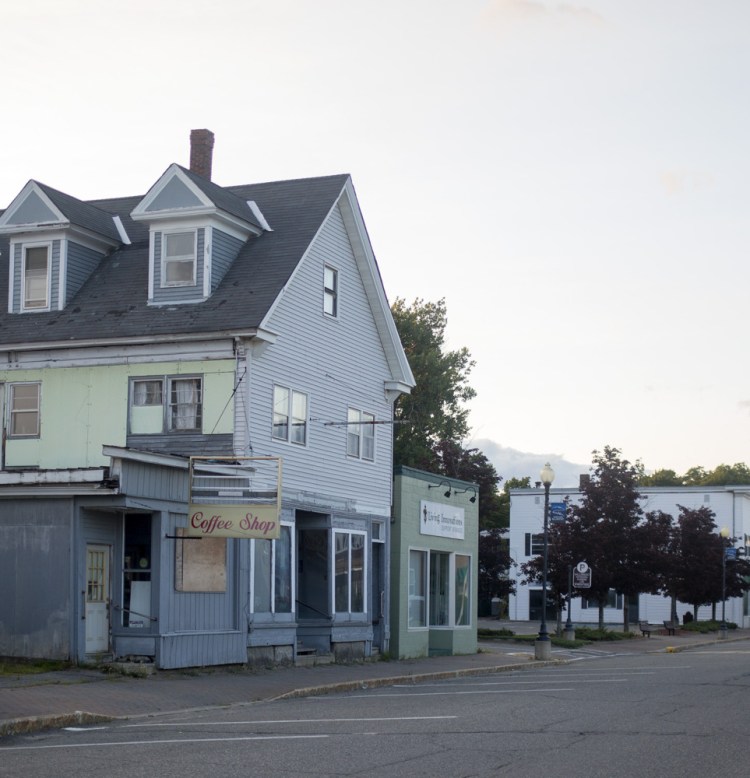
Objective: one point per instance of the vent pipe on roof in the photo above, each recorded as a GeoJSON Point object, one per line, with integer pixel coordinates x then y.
{"type": "Point", "coordinates": [201, 152]}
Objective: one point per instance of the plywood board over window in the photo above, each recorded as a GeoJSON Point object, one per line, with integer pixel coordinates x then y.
{"type": "Point", "coordinates": [200, 564]}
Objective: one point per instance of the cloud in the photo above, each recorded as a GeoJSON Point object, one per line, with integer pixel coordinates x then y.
{"type": "Point", "coordinates": [512, 463]}
{"type": "Point", "coordinates": [504, 12]}
{"type": "Point", "coordinates": [676, 182]}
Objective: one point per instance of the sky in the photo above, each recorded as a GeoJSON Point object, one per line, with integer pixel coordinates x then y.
{"type": "Point", "coordinates": [571, 177]}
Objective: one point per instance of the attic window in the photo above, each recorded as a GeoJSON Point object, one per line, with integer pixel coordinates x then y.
{"type": "Point", "coordinates": [330, 291]}
{"type": "Point", "coordinates": [35, 278]}
{"type": "Point", "coordinates": [178, 258]}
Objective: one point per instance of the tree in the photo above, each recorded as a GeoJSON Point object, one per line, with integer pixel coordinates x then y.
{"type": "Point", "coordinates": [470, 464]}
{"type": "Point", "coordinates": [494, 563]}
{"type": "Point", "coordinates": [609, 530]}
{"type": "Point", "coordinates": [661, 478]}
{"type": "Point", "coordinates": [435, 411]}
{"type": "Point", "coordinates": [722, 475]}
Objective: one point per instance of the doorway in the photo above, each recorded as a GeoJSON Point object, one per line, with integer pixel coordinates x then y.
{"type": "Point", "coordinates": [313, 591]}
{"type": "Point", "coordinates": [97, 598]}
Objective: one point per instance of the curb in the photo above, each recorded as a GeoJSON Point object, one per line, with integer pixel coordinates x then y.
{"type": "Point", "coordinates": [443, 675]}
{"type": "Point", "coordinates": [56, 721]}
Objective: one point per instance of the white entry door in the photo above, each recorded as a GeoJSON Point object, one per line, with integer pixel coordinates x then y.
{"type": "Point", "coordinates": [97, 599]}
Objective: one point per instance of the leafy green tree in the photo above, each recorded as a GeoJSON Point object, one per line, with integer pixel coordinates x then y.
{"type": "Point", "coordinates": [436, 409]}
{"type": "Point", "coordinates": [494, 563]}
{"type": "Point", "coordinates": [661, 478]}
{"type": "Point", "coordinates": [470, 464]}
{"type": "Point", "coordinates": [610, 531]}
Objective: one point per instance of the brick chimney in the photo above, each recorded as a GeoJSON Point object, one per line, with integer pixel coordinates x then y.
{"type": "Point", "coordinates": [201, 152]}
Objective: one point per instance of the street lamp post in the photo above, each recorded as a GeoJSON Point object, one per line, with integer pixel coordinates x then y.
{"type": "Point", "coordinates": [724, 532]}
{"type": "Point", "coordinates": [543, 645]}
{"type": "Point", "coordinates": [569, 633]}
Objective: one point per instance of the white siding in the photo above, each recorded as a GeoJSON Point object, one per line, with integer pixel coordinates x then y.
{"type": "Point", "coordinates": [732, 509]}
{"type": "Point", "coordinates": [339, 363]}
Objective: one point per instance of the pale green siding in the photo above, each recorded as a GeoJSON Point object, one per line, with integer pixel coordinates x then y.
{"type": "Point", "coordinates": [84, 408]}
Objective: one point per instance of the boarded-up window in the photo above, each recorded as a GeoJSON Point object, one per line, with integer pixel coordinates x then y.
{"type": "Point", "coordinates": [200, 564]}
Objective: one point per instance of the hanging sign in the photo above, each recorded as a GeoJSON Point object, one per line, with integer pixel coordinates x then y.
{"type": "Point", "coordinates": [557, 512]}
{"type": "Point", "coordinates": [234, 497]}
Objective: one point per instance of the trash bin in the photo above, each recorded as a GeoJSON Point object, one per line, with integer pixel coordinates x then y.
{"type": "Point", "coordinates": [495, 608]}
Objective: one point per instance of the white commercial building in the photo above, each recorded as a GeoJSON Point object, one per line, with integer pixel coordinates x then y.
{"type": "Point", "coordinates": [730, 504]}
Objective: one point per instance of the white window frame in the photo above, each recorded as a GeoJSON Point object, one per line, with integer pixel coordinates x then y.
{"type": "Point", "coordinates": [181, 259]}
{"type": "Point", "coordinates": [48, 285]}
{"type": "Point", "coordinates": [414, 593]}
{"type": "Point", "coordinates": [365, 562]}
{"type": "Point", "coordinates": [295, 422]}
{"type": "Point", "coordinates": [360, 434]}
{"type": "Point", "coordinates": [427, 556]}
{"type": "Point", "coordinates": [13, 412]}
{"type": "Point", "coordinates": [330, 291]}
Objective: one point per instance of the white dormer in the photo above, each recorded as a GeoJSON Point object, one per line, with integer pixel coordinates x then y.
{"type": "Point", "coordinates": [56, 242]}
{"type": "Point", "coordinates": [196, 231]}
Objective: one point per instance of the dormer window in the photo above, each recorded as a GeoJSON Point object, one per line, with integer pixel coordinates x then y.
{"type": "Point", "coordinates": [178, 260]}
{"type": "Point", "coordinates": [36, 278]}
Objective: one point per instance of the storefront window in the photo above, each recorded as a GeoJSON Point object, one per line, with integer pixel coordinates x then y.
{"type": "Point", "coordinates": [272, 561]}
{"type": "Point", "coordinates": [417, 588]}
{"type": "Point", "coordinates": [463, 591]}
{"type": "Point", "coordinates": [439, 588]}
{"type": "Point", "coordinates": [136, 610]}
{"type": "Point", "coordinates": [349, 586]}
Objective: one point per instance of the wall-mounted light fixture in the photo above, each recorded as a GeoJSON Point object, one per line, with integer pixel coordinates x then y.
{"type": "Point", "coordinates": [473, 497]}
{"type": "Point", "coordinates": [437, 486]}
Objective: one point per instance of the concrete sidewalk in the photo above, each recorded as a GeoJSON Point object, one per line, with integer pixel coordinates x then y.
{"type": "Point", "coordinates": [82, 695]}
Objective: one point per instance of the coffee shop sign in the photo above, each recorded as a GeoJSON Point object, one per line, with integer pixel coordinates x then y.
{"type": "Point", "coordinates": [444, 521]}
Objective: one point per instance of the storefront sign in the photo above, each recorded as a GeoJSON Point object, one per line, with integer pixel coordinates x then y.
{"type": "Point", "coordinates": [444, 521]}
{"type": "Point", "coordinates": [234, 497]}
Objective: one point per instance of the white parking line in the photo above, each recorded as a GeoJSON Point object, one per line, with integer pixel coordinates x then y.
{"type": "Point", "coordinates": [181, 741]}
{"type": "Point", "coordinates": [284, 721]}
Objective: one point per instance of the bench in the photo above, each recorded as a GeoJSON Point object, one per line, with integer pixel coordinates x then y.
{"type": "Point", "coordinates": [645, 629]}
{"type": "Point", "coordinates": [671, 627]}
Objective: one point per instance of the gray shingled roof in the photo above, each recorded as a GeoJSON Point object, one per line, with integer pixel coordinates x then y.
{"type": "Point", "coordinates": [82, 214]}
{"type": "Point", "coordinates": [223, 198]}
{"type": "Point", "coordinates": [112, 303]}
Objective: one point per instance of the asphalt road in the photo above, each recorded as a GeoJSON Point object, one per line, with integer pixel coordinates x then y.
{"type": "Point", "coordinates": [683, 714]}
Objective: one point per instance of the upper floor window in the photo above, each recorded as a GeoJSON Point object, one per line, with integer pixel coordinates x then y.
{"type": "Point", "coordinates": [533, 544]}
{"type": "Point", "coordinates": [331, 291]}
{"type": "Point", "coordinates": [166, 404]}
{"type": "Point", "coordinates": [178, 258]}
{"type": "Point", "coordinates": [36, 278]}
{"type": "Point", "coordinates": [289, 415]}
{"type": "Point", "coordinates": [360, 434]}
{"type": "Point", "coordinates": [24, 404]}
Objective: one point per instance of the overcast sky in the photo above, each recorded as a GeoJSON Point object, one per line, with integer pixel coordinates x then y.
{"type": "Point", "coordinates": [570, 176]}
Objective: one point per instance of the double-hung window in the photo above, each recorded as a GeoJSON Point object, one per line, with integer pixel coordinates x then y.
{"type": "Point", "coordinates": [185, 404]}
{"type": "Point", "coordinates": [533, 544]}
{"type": "Point", "coordinates": [330, 291]}
{"type": "Point", "coordinates": [178, 258]}
{"type": "Point", "coordinates": [24, 404]}
{"type": "Point", "coordinates": [289, 415]}
{"type": "Point", "coordinates": [36, 278]}
{"type": "Point", "coordinates": [166, 404]}
{"type": "Point", "coordinates": [360, 434]}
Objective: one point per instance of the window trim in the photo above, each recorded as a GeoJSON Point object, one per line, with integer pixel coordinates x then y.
{"type": "Point", "coordinates": [12, 413]}
{"type": "Point", "coordinates": [24, 308]}
{"type": "Point", "coordinates": [292, 421]}
{"type": "Point", "coordinates": [363, 430]}
{"type": "Point", "coordinates": [365, 563]}
{"type": "Point", "coordinates": [166, 382]}
{"type": "Point", "coordinates": [331, 293]}
{"type": "Point", "coordinates": [180, 258]}
{"type": "Point", "coordinates": [452, 592]}
{"type": "Point", "coordinates": [273, 596]}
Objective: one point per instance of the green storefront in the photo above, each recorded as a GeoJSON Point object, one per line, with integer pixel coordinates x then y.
{"type": "Point", "coordinates": [434, 542]}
